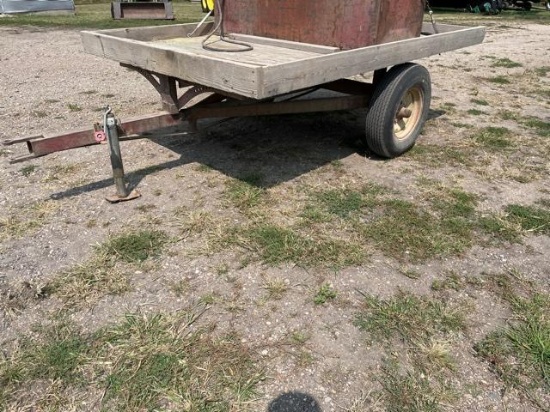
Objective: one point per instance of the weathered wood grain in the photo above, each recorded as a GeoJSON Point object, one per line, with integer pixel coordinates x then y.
{"type": "Point", "coordinates": [269, 69]}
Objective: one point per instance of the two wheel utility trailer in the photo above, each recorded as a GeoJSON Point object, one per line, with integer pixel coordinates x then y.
{"type": "Point", "coordinates": [201, 76]}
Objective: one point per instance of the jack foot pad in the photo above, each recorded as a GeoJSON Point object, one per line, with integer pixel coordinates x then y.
{"type": "Point", "coordinates": [134, 194]}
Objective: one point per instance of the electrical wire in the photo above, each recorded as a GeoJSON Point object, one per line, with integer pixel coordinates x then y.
{"type": "Point", "coordinates": [244, 46]}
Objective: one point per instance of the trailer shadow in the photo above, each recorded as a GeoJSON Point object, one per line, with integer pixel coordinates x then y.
{"type": "Point", "coordinates": [273, 149]}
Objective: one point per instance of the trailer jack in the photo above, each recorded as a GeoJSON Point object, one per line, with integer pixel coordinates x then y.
{"type": "Point", "coordinates": [111, 133]}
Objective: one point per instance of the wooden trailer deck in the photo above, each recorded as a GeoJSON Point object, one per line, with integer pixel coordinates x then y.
{"type": "Point", "coordinates": [273, 67]}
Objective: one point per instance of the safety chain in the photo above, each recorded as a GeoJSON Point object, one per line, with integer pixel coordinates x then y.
{"type": "Point", "coordinates": [431, 13]}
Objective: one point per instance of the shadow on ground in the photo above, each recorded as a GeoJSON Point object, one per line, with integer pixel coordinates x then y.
{"type": "Point", "coordinates": [275, 148]}
{"type": "Point", "coordinates": [294, 402]}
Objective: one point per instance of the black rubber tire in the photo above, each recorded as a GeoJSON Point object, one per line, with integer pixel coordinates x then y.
{"type": "Point", "coordinates": [404, 81]}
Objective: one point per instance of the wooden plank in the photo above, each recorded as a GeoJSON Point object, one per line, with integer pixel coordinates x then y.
{"type": "Point", "coordinates": [267, 71]}
{"type": "Point", "coordinates": [220, 74]}
{"type": "Point", "coordinates": [287, 77]}
{"type": "Point", "coordinates": [260, 55]}
{"type": "Point", "coordinates": [152, 33]}
{"type": "Point", "coordinates": [315, 48]}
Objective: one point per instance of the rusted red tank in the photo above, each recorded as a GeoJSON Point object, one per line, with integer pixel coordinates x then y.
{"type": "Point", "coordinates": [346, 24]}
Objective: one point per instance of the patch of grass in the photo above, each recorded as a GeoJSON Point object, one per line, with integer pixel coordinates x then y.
{"type": "Point", "coordinates": [246, 192]}
{"type": "Point", "coordinates": [54, 353]}
{"type": "Point", "coordinates": [88, 282]}
{"type": "Point", "coordinates": [409, 389]}
{"type": "Point", "coordinates": [499, 228]}
{"type": "Point", "coordinates": [506, 63]}
{"type": "Point", "coordinates": [542, 128]}
{"type": "Point", "coordinates": [530, 218]}
{"type": "Point", "coordinates": [542, 71]}
{"type": "Point", "coordinates": [26, 219]}
{"type": "Point", "coordinates": [340, 203]}
{"type": "Point", "coordinates": [480, 102]}
{"type": "Point", "coordinates": [299, 337]}
{"type": "Point", "coordinates": [451, 282]}
{"type": "Point", "coordinates": [60, 172]}
{"type": "Point", "coordinates": [508, 115]}
{"type": "Point", "coordinates": [98, 15]}
{"type": "Point", "coordinates": [476, 112]}
{"type": "Point", "coordinates": [147, 362]}
{"type": "Point", "coordinates": [498, 80]}
{"type": "Point", "coordinates": [28, 170]}
{"type": "Point", "coordinates": [344, 203]}
{"type": "Point", "coordinates": [408, 232]}
{"type": "Point", "coordinates": [179, 287]}
{"type": "Point", "coordinates": [325, 293]}
{"type": "Point", "coordinates": [408, 317]}
{"type": "Point", "coordinates": [520, 352]}
{"type": "Point", "coordinates": [276, 245]}
{"type": "Point", "coordinates": [74, 107]}
{"type": "Point", "coordinates": [275, 288]}
{"type": "Point", "coordinates": [494, 138]}
{"type": "Point", "coordinates": [135, 247]}
{"type": "Point", "coordinates": [416, 375]}
{"type": "Point", "coordinates": [437, 155]}
{"type": "Point", "coordinates": [448, 107]}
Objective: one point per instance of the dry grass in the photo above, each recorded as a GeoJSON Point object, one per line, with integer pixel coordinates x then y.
{"type": "Point", "coordinates": [25, 220]}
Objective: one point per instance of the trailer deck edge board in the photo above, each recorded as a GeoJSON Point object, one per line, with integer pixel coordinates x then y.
{"type": "Point", "coordinates": [231, 73]}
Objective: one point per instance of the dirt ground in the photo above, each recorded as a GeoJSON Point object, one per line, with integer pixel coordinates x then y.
{"type": "Point", "coordinates": [53, 213]}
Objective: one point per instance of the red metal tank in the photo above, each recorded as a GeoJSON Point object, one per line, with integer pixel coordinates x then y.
{"type": "Point", "coordinates": [346, 24]}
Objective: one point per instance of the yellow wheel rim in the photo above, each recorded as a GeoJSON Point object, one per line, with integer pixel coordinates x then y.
{"type": "Point", "coordinates": [408, 113]}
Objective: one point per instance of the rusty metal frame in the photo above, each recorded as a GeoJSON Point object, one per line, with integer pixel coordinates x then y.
{"type": "Point", "coordinates": [197, 102]}
{"type": "Point", "coordinates": [194, 103]}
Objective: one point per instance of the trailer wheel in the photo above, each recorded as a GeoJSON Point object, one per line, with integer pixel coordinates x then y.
{"type": "Point", "coordinates": [398, 109]}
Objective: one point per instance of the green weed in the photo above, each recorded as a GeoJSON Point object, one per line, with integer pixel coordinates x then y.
{"type": "Point", "coordinates": [276, 245]}
{"type": "Point", "coordinates": [410, 318]}
{"type": "Point", "coordinates": [415, 328]}
{"type": "Point", "coordinates": [520, 352]}
{"type": "Point", "coordinates": [498, 80]}
{"type": "Point", "coordinates": [246, 192]}
{"type": "Point", "coordinates": [542, 71]}
{"type": "Point", "coordinates": [494, 138]}
{"type": "Point", "coordinates": [476, 112]}
{"type": "Point", "coordinates": [505, 62]}
{"type": "Point", "coordinates": [325, 293]}
{"type": "Point", "coordinates": [74, 107]}
{"type": "Point", "coordinates": [28, 170]}
{"type": "Point", "coordinates": [480, 102]}
{"type": "Point", "coordinates": [541, 127]}
{"type": "Point", "coordinates": [530, 218]}
{"type": "Point", "coordinates": [135, 247]}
